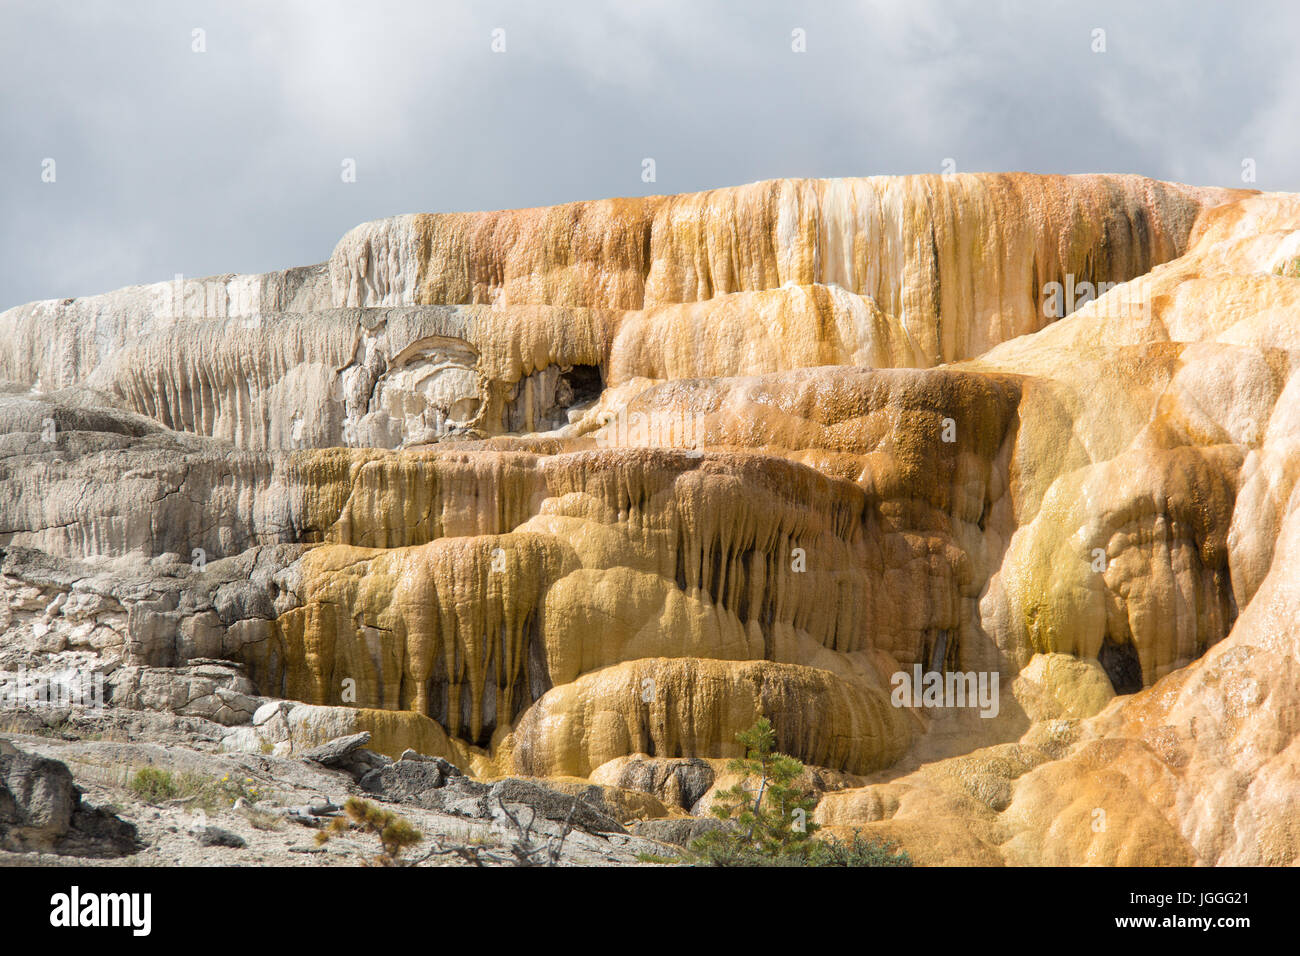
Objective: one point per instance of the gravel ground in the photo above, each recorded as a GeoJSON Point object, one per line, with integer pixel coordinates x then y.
{"type": "Point", "coordinates": [102, 765]}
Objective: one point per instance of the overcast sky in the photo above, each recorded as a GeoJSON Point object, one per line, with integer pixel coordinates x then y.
{"type": "Point", "coordinates": [170, 161]}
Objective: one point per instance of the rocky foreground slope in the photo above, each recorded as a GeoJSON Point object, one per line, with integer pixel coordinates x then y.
{"type": "Point", "coordinates": [576, 493]}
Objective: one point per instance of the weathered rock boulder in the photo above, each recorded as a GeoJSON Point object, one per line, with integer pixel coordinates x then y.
{"type": "Point", "coordinates": [678, 782]}
{"type": "Point", "coordinates": [41, 810]}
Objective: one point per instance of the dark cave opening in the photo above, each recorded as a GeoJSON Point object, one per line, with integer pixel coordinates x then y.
{"type": "Point", "coordinates": [1121, 664]}
{"type": "Point", "coordinates": [583, 383]}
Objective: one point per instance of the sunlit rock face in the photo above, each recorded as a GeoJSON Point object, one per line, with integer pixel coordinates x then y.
{"type": "Point", "coordinates": [545, 491]}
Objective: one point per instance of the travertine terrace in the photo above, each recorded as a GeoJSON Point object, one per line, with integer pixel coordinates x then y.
{"type": "Point", "coordinates": [578, 492]}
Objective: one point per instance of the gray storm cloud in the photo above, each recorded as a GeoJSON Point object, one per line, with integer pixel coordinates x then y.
{"type": "Point", "coordinates": [172, 161]}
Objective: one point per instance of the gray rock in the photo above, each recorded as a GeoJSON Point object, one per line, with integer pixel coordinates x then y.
{"type": "Point", "coordinates": [334, 752]}
{"type": "Point", "coordinates": [677, 781]}
{"type": "Point", "coordinates": [152, 612]}
{"type": "Point", "coordinates": [551, 805]}
{"type": "Point", "coordinates": [437, 784]}
{"type": "Point", "coordinates": [361, 763]}
{"type": "Point", "coordinates": [680, 831]}
{"type": "Point", "coordinates": [215, 836]}
{"type": "Point", "coordinates": [41, 810]}
{"type": "Point", "coordinates": [362, 760]}
{"type": "Point", "coordinates": [461, 797]}
{"type": "Point", "coordinates": [304, 817]}
{"type": "Point", "coordinates": [211, 690]}
{"type": "Point", "coordinates": [408, 779]}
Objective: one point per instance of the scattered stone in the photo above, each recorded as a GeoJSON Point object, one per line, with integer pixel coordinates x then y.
{"type": "Point", "coordinates": [216, 836]}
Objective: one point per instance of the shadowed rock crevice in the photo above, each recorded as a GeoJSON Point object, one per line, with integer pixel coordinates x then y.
{"type": "Point", "coordinates": [1122, 666]}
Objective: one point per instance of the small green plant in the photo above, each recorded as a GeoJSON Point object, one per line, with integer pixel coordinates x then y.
{"type": "Point", "coordinates": [1289, 269]}
{"type": "Point", "coordinates": [856, 852]}
{"type": "Point", "coordinates": [153, 785]}
{"type": "Point", "coordinates": [234, 788]}
{"type": "Point", "coordinates": [395, 833]}
{"type": "Point", "coordinates": [768, 815]}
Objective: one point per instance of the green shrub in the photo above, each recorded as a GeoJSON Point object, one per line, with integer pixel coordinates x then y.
{"type": "Point", "coordinates": [234, 788]}
{"type": "Point", "coordinates": [768, 817]}
{"type": "Point", "coordinates": [768, 814]}
{"type": "Point", "coordinates": [396, 834]}
{"type": "Point", "coordinates": [856, 852]}
{"type": "Point", "coordinates": [153, 785]}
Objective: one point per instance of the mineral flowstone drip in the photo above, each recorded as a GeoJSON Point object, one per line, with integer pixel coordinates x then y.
{"type": "Point", "coordinates": [231, 379]}
{"type": "Point", "coordinates": [682, 707]}
{"type": "Point", "coordinates": [669, 553]}
{"type": "Point", "coordinates": [749, 333]}
{"type": "Point", "coordinates": [582, 491]}
{"type": "Point", "coordinates": [444, 629]}
{"type": "Point", "coordinates": [960, 259]}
